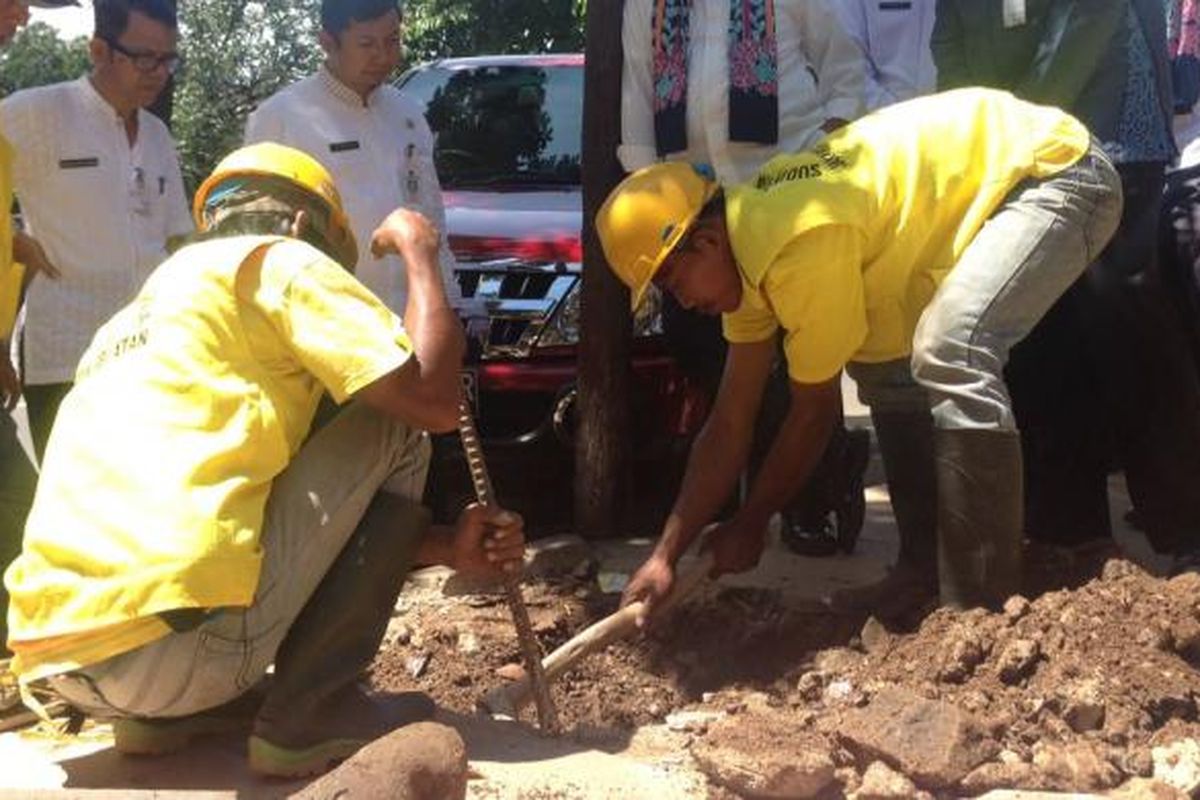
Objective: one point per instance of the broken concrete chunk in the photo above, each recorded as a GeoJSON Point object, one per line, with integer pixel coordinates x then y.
{"type": "Point", "coordinates": [999, 775]}
{"type": "Point", "coordinates": [837, 692]}
{"type": "Point", "coordinates": [1185, 637]}
{"type": "Point", "coordinates": [612, 582]}
{"type": "Point", "coordinates": [881, 782]}
{"type": "Point", "coordinates": [1018, 660]}
{"type": "Point", "coordinates": [1015, 607]}
{"type": "Point", "coordinates": [511, 672]}
{"type": "Point", "coordinates": [874, 636]}
{"type": "Point", "coordinates": [1074, 767]}
{"type": "Point", "coordinates": [765, 754]}
{"type": "Point", "coordinates": [934, 743]}
{"type": "Point", "coordinates": [1117, 568]}
{"type": "Point", "coordinates": [416, 664]}
{"type": "Point", "coordinates": [965, 653]}
{"type": "Point", "coordinates": [767, 774]}
{"type": "Point", "coordinates": [556, 555]}
{"type": "Point", "coordinates": [1178, 764]}
{"type": "Point", "coordinates": [692, 721]}
{"type": "Point", "coordinates": [1146, 789]}
{"type": "Point", "coordinates": [1083, 706]}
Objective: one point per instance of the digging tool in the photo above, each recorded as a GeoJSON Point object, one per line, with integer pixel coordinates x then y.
{"type": "Point", "coordinates": [508, 700]}
{"type": "Point", "coordinates": [530, 652]}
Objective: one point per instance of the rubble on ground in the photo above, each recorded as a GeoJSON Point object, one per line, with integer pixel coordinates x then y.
{"type": "Point", "coordinates": [1085, 690]}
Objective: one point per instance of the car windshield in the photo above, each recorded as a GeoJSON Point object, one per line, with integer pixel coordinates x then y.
{"type": "Point", "coordinates": [503, 125]}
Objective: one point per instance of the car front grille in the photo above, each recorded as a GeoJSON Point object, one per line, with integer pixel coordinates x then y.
{"type": "Point", "coordinates": [508, 303]}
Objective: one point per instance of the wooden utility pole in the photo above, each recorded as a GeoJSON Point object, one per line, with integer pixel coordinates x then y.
{"type": "Point", "coordinates": [604, 440]}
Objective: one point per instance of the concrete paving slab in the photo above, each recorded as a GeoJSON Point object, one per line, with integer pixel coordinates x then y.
{"type": "Point", "coordinates": [507, 760]}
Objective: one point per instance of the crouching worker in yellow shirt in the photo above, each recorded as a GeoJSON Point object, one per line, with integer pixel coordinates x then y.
{"type": "Point", "coordinates": [186, 534]}
{"type": "Point", "coordinates": [913, 247]}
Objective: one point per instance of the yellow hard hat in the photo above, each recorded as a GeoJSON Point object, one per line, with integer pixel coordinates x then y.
{"type": "Point", "coordinates": [647, 215]}
{"type": "Point", "coordinates": [272, 160]}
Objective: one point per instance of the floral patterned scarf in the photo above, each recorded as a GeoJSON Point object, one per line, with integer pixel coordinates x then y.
{"type": "Point", "coordinates": [753, 73]}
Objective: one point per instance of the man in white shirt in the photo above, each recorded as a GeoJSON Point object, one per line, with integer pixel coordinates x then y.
{"type": "Point", "coordinates": [99, 184]}
{"type": "Point", "coordinates": [894, 37]}
{"type": "Point", "coordinates": [372, 139]}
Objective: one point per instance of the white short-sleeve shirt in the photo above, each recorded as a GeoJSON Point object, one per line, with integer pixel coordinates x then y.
{"type": "Point", "coordinates": [380, 155]}
{"type": "Point", "coordinates": [820, 70]}
{"type": "Point", "coordinates": [894, 35]}
{"type": "Point", "coordinates": [102, 209]}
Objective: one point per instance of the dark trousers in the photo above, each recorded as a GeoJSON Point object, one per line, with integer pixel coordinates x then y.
{"type": "Point", "coordinates": [1109, 379]}
{"type": "Point", "coordinates": [41, 402]}
{"type": "Point", "coordinates": [17, 482]}
{"type": "Point", "coordinates": [698, 346]}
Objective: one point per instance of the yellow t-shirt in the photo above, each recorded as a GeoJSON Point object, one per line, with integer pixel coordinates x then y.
{"type": "Point", "coordinates": [844, 245]}
{"type": "Point", "coordinates": [10, 273]}
{"type": "Point", "coordinates": [186, 406]}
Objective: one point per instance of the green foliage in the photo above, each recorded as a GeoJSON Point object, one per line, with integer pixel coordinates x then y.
{"type": "Point", "coordinates": [436, 28]}
{"type": "Point", "coordinates": [36, 56]}
{"type": "Point", "coordinates": [237, 54]}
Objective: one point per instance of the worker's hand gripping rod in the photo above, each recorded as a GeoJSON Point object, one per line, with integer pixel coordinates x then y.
{"type": "Point", "coordinates": [530, 652]}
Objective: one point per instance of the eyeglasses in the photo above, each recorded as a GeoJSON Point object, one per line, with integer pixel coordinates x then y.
{"type": "Point", "coordinates": [148, 62]}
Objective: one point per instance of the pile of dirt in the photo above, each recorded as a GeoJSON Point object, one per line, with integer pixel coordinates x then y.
{"type": "Point", "coordinates": [1084, 689]}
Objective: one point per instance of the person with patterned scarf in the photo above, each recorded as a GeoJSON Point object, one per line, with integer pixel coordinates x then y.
{"type": "Point", "coordinates": [732, 83]}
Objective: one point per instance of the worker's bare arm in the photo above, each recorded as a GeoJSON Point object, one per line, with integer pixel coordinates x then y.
{"type": "Point", "coordinates": [717, 458]}
{"type": "Point", "coordinates": [425, 391]}
{"type": "Point", "coordinates": [738, 543]}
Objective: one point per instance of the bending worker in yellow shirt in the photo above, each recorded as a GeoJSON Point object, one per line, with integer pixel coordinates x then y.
{"type": "Point", "coordinates": [913, 247]}
{"type": "Point", "coordinates": [190, 528]}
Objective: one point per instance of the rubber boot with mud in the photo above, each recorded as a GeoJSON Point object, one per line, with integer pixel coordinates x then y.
{"type": "Point", "coordinates": [315, 714]}
{"type": "Point", "coordinates": [906, 448]}
{"type": "Point", "coordinates": [979, 517]}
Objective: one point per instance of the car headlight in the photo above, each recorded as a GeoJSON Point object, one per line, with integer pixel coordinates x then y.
{"type": "Point", "coordinates": [564, 325]}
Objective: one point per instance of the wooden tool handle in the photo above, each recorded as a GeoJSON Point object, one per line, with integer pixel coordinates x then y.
{"type": "Point", "coordinates": [511, 698]}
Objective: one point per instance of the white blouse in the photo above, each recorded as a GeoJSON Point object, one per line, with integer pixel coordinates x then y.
{"type": "Point", "coordinates": [821, 73]}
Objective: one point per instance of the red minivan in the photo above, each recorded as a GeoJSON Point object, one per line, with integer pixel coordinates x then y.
{"type": "Point", "coordinates": [508, 135]}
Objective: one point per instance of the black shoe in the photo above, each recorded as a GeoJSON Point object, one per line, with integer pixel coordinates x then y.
{"type": "Point", "coordinates": [816, 538]}
{"type": "Point", "coordinates": [830, 517]}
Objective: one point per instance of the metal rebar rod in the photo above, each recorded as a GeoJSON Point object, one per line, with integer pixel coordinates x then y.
{"type": "Point", "coordinates": [531, 652]}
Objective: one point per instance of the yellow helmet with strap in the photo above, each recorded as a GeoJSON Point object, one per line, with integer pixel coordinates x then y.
{"type": "Point", "coordinates": [302, 171]}
{"type": "Point", "coordinates": [647, 216]}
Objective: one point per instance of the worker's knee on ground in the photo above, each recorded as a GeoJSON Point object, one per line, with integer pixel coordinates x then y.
{"type": "Point", "coordinates": [423, 761]}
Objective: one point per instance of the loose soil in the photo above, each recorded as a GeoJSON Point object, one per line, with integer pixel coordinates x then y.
{"type": "Point", "coordinates": [1107, 667]}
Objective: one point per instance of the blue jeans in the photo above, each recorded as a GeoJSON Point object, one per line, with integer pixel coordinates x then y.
{"type": "Point", "coordinates": [1036, 244]}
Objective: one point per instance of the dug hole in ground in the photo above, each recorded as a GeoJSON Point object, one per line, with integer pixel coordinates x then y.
{"type": "Point", "coordinates": [1086, 685]}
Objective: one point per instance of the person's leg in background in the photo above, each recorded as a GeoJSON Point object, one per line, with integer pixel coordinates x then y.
{"type": "Point", "coordinates": [18, 479]}
{"type": "Point", "coordinates": [41, 403]}
{"type": "Point", "coordinates": [1179, 249]}
{"type": "Point", "coordinates": [1065, 436]}
{"type": "Point", "coordinates": [1147, 369]}
{"type": "Point", "coordinates": [904, 431]}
